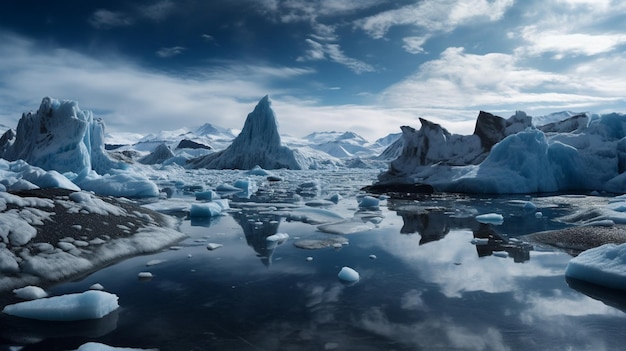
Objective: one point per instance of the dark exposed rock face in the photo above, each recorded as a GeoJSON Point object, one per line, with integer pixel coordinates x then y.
{"type": "Point", "coordinates": [190, 144]}
{"type": "Point", "coordinates": [434, 145]}
{"type": "Point", "coordinates": [160, 154]}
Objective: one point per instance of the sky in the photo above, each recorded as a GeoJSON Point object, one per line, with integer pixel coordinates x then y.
{"type": "Point", "coordinates": [368, 66]}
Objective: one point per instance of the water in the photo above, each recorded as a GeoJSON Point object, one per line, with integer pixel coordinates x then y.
{"type": "Point", "coordinates": [428, 288]}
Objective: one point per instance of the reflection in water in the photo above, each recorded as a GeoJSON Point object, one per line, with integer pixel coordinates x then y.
{"type": "Point", "coordinates": [610, 297]}
{"type": "Point", "coordinates": [519, 251]}
{"type": "Point", "coordinates": [434, 223]}
{"type": "Point", "coordinates": [28, 331]}
{"type": "Point", "coordinates": [257, 227]}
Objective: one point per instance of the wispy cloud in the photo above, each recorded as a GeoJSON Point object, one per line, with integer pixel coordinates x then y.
{"type": "Point", "coordinates": [156, 11]}
{"type": "Point", "coordinates": [105, 19]}
{"type": "Point", "coordinates": [333, 52]}
{"type": "Point", "coordinates": [170, 52]}
{"type": "Point", "coordinates": [414, 44]}
{"type": "Point", "coordinates": [434, 15]}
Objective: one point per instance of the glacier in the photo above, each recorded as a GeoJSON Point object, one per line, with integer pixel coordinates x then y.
{"type": "Point", "coordinates": [60, 141]}
{"type": "Point", "coordinates": [506, 156]}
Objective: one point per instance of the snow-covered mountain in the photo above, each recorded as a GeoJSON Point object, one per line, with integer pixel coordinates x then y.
{"type": "Point", "coordinates": [259, 143]}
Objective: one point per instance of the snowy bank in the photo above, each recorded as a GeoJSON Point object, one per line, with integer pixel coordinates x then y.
{"type": "Point", "coordinates": [54, 234]}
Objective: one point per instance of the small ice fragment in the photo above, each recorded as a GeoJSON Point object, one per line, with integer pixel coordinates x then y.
{"type": "Point", "coordinates": [278, 237]}
{"type": "Point", "coordinates": [335, 198]}
{"type": "Point", "coordinates": [538, 214]}
{"type": "Point", "coordinates": [30, 293]}
{"type": "Point", "coordinates": [96, 286]}
{"type": "Point", "coordinates": [309, 258]}
{"type": "Point", "coordinates": [207, 195]}
{"type": "Point", "coordinates": [144, 275]}
{"type": "Point", "coordinates": [490, 218]}
{"type": "Point", "coordinates": [529, 206]}
{"type": "Point", "coordinates": [175, 247]}
{"type": "Point", "coordinates": [208, 209]}
{"type": "Point", "coordinates": [373, 257]}
{"type": "Point", "coordinates": [369, 202]}
{"type": "Point", "coordinates": [71, 307]}
{"type": "Point", "coordinates": [502, 254]}
{"type": "Point", "coordinates": [154, 262]}
{"type": "Point", "coordinates": [348, 274]}
{"type": "Point", "coordinates": [480, 241]}
{"type": "Point", "coordinates": [213, 246]}
{"type": "Point", "coordinates": [337, 245]}
{"type": "Point", "coordinates": [189, 256]}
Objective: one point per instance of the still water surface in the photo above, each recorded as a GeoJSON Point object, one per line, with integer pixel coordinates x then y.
{"type": "Point", "coordinates": [428, 287]}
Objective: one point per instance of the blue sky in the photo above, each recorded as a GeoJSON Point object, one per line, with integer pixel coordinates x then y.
{"type": "Point", "coordinates": [367, 66]}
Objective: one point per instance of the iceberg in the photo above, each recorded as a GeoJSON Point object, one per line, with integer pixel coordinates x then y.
{"type": "Point", "coordinates": [61, 145]}
{"type": "Point", "coordinates": [348, 274]}
{"type": "Point", "coordinates": [91, 304]}
{"type": "Point", "coordinates": [604, 265]}
{"type": "Point", "coordinates": [259, 144]}
{"type": "Point", "coordinates": [512, 156]}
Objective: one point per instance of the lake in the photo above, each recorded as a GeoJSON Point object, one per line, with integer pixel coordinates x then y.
{"type": "Point", "coordinates": [431, 278]}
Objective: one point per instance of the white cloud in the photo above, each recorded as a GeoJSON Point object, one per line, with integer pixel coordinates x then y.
{"type": "Point", "coordinates": [413, 45]}
{"type": "Point", "coordinates": [170, 52]}
{"type": "Point", "coordinates": [105, 19]}
{"type": "Point", "coordinates": [459, 80]}
{"type": "Point", "coordinates": [332, 51]}
{"type": "Point", "coordinates": [156, 11]}
{"type": "Point", "coordinates": [131, 98]}
{"type": "Point", "coordinates": [563, 43]}
{"type": "Point", "coordinates": [435, 15]}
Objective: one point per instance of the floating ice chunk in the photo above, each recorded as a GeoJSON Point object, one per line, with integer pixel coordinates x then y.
{"type": "Point", "coordinates": [144, 275]}
{"type": "Point", "coordinates": [118, 183]}
{"type": "Point", "coordinates": [502, 254]}
{"type": "Point", "coordinates": [319, 203]}
{"type": "Point", "coordinates": [207, 195]}
{"type": "Point", "coordinates": [369, 202]}
{"type": "Point", "coordinates": [209, 209]}
{"type": "Point", "coordinates": [314, 244]}
{"type": "Point", "coordinates": [258, 171]}
{"type": "Point", "coordinates": [373, 257]}
{"type": "Point", "coordinates": [90, 304]}
{"type": "Point", "coordinates": [30, 293]}
{"type": "Point", "coordinates": [96, 286]}
{"type": "Point", "coordinates": [94, 346]}
{"type": "Point", "coordinates": [490, 218]}
{"type": "Point", "coordinates": [247, 185]}
{"type": "Point", "coordinates": [538, 214]}
{"type": "Point", "coordinates": [278, 237]}
{"type": "Point", "coordinates": [213, 246]}
{"type": "Point", "coordinates": [154, 262]}
{"type": "Point", "coordinates": [348, 274]}
{"type": "Point", "coordinates": [309, 258]}
{"type": "Point", "coordinates": [604, 265]}
{"type": "Point", "coordinates": [480, 241]}
{"type": "Point", "coordinates": [529, 206]}
{"type": "Point", "coordinates": [312, 215]}
{"type": "Point", "coordinates": [335, 198]}
{"type": "Point", "coordinates": [225, 188]}
{"type": "Point", "coordinates": [350, 226]}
